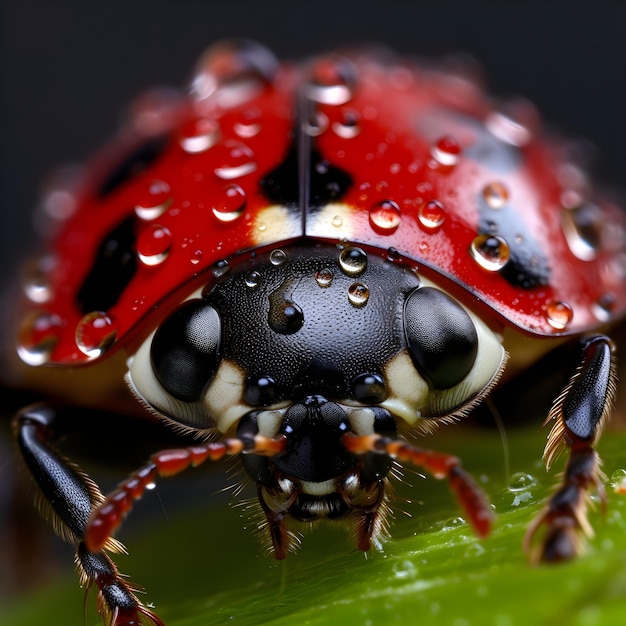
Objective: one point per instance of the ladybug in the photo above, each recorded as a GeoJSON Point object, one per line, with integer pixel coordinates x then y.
{"type": "Point", "coordinates": [306, 266]}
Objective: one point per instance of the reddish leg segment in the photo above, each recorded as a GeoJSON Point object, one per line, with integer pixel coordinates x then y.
{"type": "Point", "coordinates": [109, 515]}
{"type": "Point", "coordinates": [471, 497]}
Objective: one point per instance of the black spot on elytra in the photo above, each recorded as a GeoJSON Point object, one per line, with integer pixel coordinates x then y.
{"type": "Point", "coordinates": [134, 163]}
{"type": "Point", "coordinates": [113, 268]}
{"type": "Point", "coordinates": [528, 266]}
{"type": "Point", "coordinates": [327, 183]}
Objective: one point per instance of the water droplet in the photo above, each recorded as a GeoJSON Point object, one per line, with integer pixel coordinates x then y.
{"type": "Point", "coordinates": [582, 226]}
{"type": "Point", "coordinates": [514, 123]}
{"type": "Point", "coordinates": [431, 215]}
{"type": "Point", "coordinates": [153, 245]}
{"type": "Point", "coordinates": [248, 124]}
{"type": "Point", "coordinates": [349, 126]}
{"type": "Point", "coordinates": [36, 279]}
{"type": "Point", "coordinates": [231, 204]}
{"type": "Point", "coordinates": [603, 307]}
{"type": "Point", "coordinates": [277, 257]}
{"type": "Point", "coordinates": [252, 279]}
{"type": "Point", "coordinates": [404, 570]}
{"type": "Point", "coordinates": [237, 160]}
{"type": "Point", "coordinates": [195, 257]}
{"type": "Point", "coordinates": [95, 333]}
{"type": "Point", "coordinates": [353, 261]}
{"type": "Point", "coordinates": [393, 254]}
{"type": "Point", "coordinates": [520, 481]}
{"type": "Point", "coordinates": [618, 481]}
{"type": "Point", "coordinates": [220, 268]}
{"type": "Point", "coordinates": [199, 135]}
{"type": "Point", "coordinates": [60, 192]}
{"type": "Point", "coordinates": [496, 195]}
{"type": "Point", "coordinates": [37, 336]}
{"type": "Point", "coordinates": [491, 252]}
{"type": "Point", "coordinates": [316, 124]}
{"type": "Point", "coordinates": [237, 68]}
{"type": "Point", "coordinates": [358, 294]}
{"type": "Point", "coordinates": [324, 277]}
{"type": "Point", "coordinates": [559, 314]}
{"type": "Point", "coordinates": [447, 151]}
{"type": "Point", "coordinates": [155, 200]}
{"type": "Point", "coordinates": [154, 112]}
{"type": "Point", "coordinates": [332, 81]}
{"type": "Point", "coordinates": [385, 217]}
{"type": "Point", "coordinates": [453, 523]}
{"type": "Point", "coordinates": [285, 316]}
{"type": "Point", "coordinates": [337, 221]}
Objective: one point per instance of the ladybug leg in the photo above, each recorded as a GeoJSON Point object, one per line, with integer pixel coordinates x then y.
{"type": "Point", "coordinates": [579, 414]}
{"type": "Point", "coordinates": [108, 516]}
{"type": "Point", "coordinates": [69, 496]}
{"type": "Point", "coordinates": [470, 496]}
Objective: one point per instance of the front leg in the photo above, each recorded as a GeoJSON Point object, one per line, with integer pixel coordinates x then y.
{"type": "Point", "coordinates": [69, 496]}
{"type": "Point", "coordinates": [579, 414]}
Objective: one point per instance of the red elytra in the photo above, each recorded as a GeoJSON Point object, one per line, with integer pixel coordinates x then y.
{"type": "Point", "coordinates": [439, 178]}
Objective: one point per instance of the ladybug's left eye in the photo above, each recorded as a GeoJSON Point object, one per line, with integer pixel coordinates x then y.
{"type": "Point", "coordinates": [185, 350]}
{"type": "Point", "coordinates": [441, 337]}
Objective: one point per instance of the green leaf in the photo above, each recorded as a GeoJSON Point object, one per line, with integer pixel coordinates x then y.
{"type": "Point", "coordinates": [204, 567]}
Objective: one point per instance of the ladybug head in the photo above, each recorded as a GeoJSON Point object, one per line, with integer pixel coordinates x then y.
{"type": "Point", "coordinates": [349, 328]}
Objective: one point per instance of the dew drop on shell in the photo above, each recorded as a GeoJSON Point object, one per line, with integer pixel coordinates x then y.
{"type": "Point", "coordinates": [96, 333]}
{"type": "Point", "coordinates": [491, 252]}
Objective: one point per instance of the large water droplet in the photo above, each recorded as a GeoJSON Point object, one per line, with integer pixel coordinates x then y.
{"type": "Point", "coordinates": [514, 123]}
{"type": "Point", "coordinates": [96, 333]}
{"type": "Point", "coordinates": [447, 151]}
{"type": "Point", "coordinates": [220, 268]}
{"type": "Point", "coordinates": [332, 81]}
{"type": "Point", "coordinates": [154, 200]}
{"type": "Point", "coordinates": [604, 306]}
{"type": "Point", "coordinates": [559, 314]}
{"type": "Point", "coordinates": [37, 336]}
{"type": "Point", "coordinates": [316, 124]}
{"type": "Point", "coordinates": [496, 195]}
{"type": "Point", "coordinates": [236, 68]}
{"type": "Point", "coordinates": [153, 245]}
{"type": "Point", "coordinates": [431, 215]}
{"type": "Point", "coordinates": [353, 261]}
{"type": "Point", "coordinates": [199, 135]}
{"type": "Point", "coordinates": [491, 252]}
{"type": "Point", "coordinates": [385, 217]}
{"type": "Point", "coordinates": [248, 123]}
{"type": "Point", "coordinates": [349, 125]}
{"type": "Point", "coordinates": [285, 316]}
{"type": "Point", "coordinates": [237, 160]}
{"type": "Point", "coordinates": [36, 279]}
{"type": "Point", "coordinates": [520, 481]}
{"type": "Point", "coordinates": [358, 294]}
{"type": "Point", "coordinates": [582, 227]}
{"type": "Point", "coordinates": [324, 277]}
{"type": "Point", "coordinates": [231, 204]}
{"type": "Point", "coordinates": [277, 257]}
{"type": "Point", "coordinates": [252, 279]}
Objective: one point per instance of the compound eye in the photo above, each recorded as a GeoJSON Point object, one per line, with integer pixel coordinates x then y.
{"type": "Point", "coordinates": [185, 350]}
{"type": "Point", "coordinates": [441, 337]}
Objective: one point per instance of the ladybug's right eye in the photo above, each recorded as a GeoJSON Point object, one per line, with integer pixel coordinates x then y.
{"type": "Point", "coordinates": [441, 337]}
{"type": "Point", "coordinates": [185, 350]}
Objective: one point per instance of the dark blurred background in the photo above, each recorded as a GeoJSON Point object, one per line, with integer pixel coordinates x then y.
{"type": "Point", "coordinates": [69, 67]}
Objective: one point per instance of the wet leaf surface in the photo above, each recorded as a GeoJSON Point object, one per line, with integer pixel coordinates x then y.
{"type": "Point", "coordinates": [205, 566]}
